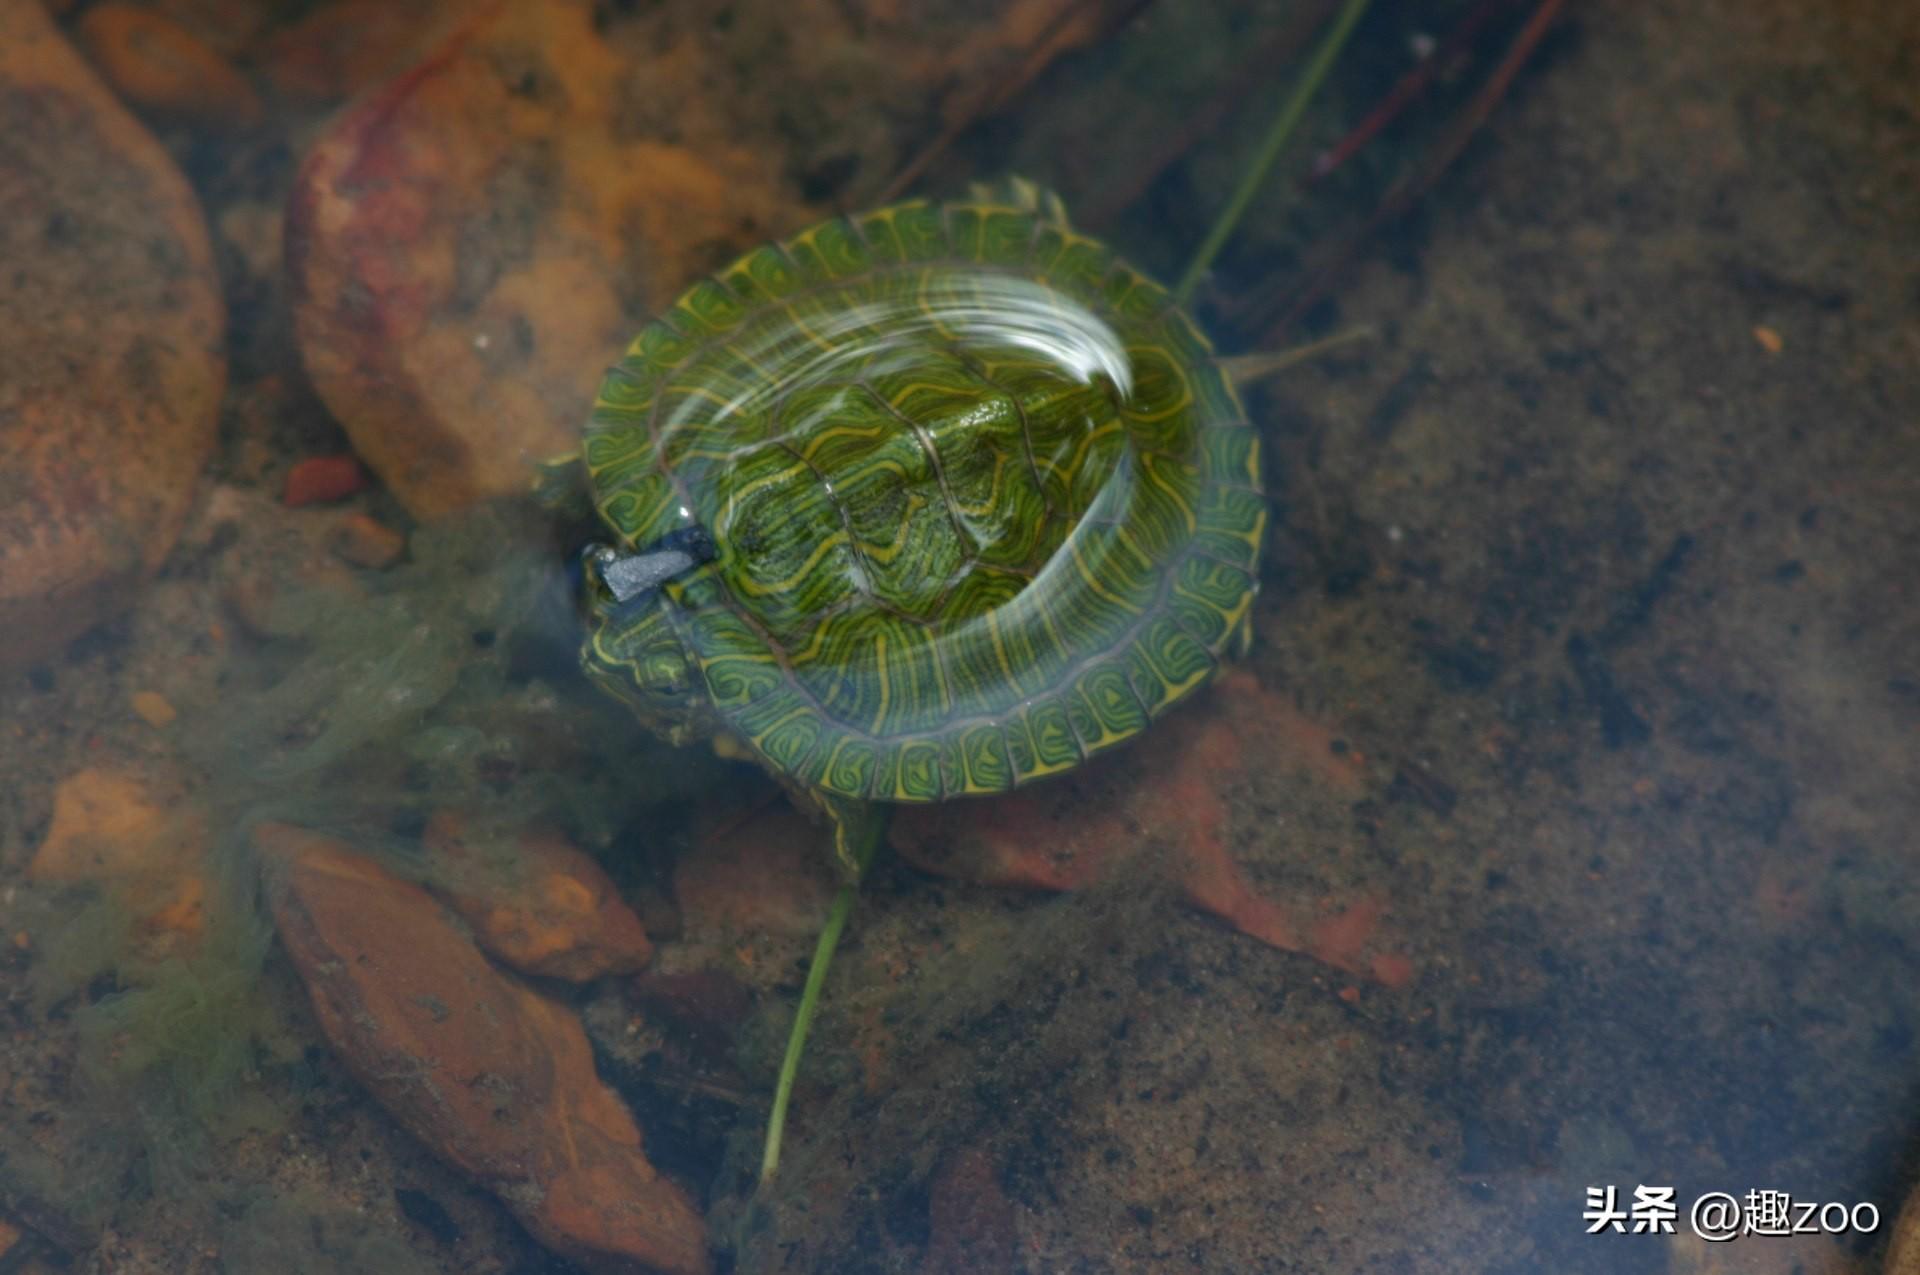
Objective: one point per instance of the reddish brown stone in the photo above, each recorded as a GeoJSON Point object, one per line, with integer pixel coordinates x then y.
{"type": "Point", "coordinates": [321, 480]}
{"type": "Point", "coordinates": [542, 906]}
{"type": "Point", "coordinates": [473, 241]}
{"type": "Point", "coordinates": [1168, 789]}
{"type": "Point", "coordinates": [111, 363]}
{"type": "Point", "coordinates": [164, 69]}
{"type": "Point", "coordinates": [496, 1078]}
{"type": "Point", "coordinates": [365, 541]}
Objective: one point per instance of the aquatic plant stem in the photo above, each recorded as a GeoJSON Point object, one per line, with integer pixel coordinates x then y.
{"type": "Point", "coordinates": [866, 840]}
{"type": "Point", "coordinates": [1270, 147]}
{"type": "Point", "coordinates": [1246, 369]}
{"type": "Point", "coordinates": [1276, 314]}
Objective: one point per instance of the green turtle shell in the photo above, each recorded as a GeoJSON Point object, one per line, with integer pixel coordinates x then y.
{"type": "Point", "coordinates": [984, 503]}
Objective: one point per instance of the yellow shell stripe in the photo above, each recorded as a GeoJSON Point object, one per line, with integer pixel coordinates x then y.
{"type": "Point", "coordinates": [840, 630]}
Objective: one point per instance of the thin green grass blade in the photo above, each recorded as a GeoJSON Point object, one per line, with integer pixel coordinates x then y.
{"type": "Point", "coordinates": [1271, 146]}
{"type": "Point", "coordinates": [856, 845]}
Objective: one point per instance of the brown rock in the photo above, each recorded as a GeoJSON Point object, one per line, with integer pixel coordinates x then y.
{"type": "Point", "coordinates": [454, 359]}
{"type": "Point", "coordinates": [543, 907]}
{"type": "Point", "coordinates": [153, 708]}
{"type": "Point", "coordinates": [273, 575]}
{"type": "Point", "coordinates": [497, 1079]}
{"type": "Point", "coordinates": [365, 541]}
{"type": "Point", "coordinates": [138, 833]}
{"type": "Point", "coordinates": [111, 323]}
{"type": "Point", "coordinates": [1171, 789]}
{"type": "Point", "coordinates": [109, 823]}
{"type": "Point", "coordinates": [161, 67]}
{"type": "Point", "coordinates": [321, 480]}
{"type": "Point", "coordinates": [473, 242]}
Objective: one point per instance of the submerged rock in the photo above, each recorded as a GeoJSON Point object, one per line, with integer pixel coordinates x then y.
{"type": "Point", "coordinates": [495, 1078]}
{"type": "Point", "coordinates": [322, 480]}
{"type": "Point", "coordinates": [473, 241]}
{"type": "Point", "coordinates": [1169, 791]}
{"type": "Point", "coordinates": [544, 907]}
{"type": "Point", "coordinates": [111, 328]}
{"type": "Point", "coordinates": [143, 835]}
{"type": "Point", "coordinates": [464, 243]}
{"type": "Point", "coordinates": [161, 67]}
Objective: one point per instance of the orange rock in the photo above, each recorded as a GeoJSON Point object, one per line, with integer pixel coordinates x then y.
{"type": "Point", "coordinates": [321, 480]}
{"type": "Point", "coordinates": [365, 541]}
{"type": "Point", "coordinates": [153, 708]}
{"type": "Point", "coordinates": [473, 241]}
{"type": "Point", "coordinates": [161, 67]}
{"type": "Point", "coordinates": [495, 1078]}
{"type": "Point", "coordinates": [1168, 789]}
{"type": "Point", "coordinates": [111, 363]}
{"type": "Point", "coordinates": [451, 389]}
{"type": "Point", "coordinates": [182, 907]}
{"type": "Point", "coordinates": [108, 824]}
{"type": "Point", "coordinates": [119, 829]}
{"type": "Point", "coordinates": [543, 907]}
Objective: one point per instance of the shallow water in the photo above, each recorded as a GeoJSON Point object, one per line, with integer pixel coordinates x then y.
{"type": "Point", "coordinates": [1555, 835]}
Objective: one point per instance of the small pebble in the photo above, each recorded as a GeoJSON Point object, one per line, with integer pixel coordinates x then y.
{"type": "Point", "coordinates": [322, 480]}
{"type": "Point", "coordinates": [1769, 340]}
{"type": "Point", "coordinates": [152, 708]}
{"type": "Point", "coordinates": [365, 541]}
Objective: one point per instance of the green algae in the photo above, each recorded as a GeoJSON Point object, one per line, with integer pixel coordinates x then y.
{"type": "Point", "coordinates": [455, 686]}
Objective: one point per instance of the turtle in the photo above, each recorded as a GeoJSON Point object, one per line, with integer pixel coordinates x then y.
{"type": "Point", "coordinates": [921, 504]}
{"type": "Point", "coordinates": [925, 503]}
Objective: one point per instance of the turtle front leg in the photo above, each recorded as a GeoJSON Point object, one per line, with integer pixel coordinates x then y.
{"type": "Point", "coordinates": [858, 829]}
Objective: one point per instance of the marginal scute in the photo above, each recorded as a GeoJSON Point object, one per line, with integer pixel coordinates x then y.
{"type": "Point", "coordinates": [988, 767]}
{"type": "Point", "coordinates": [952, 560]}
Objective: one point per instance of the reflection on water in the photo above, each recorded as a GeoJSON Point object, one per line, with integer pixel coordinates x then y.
{"type": "Point", "coordinates": [976, 316]}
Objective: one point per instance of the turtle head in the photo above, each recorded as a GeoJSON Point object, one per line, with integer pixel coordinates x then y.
{"type": "Point", "coordinates": [632, 648]}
